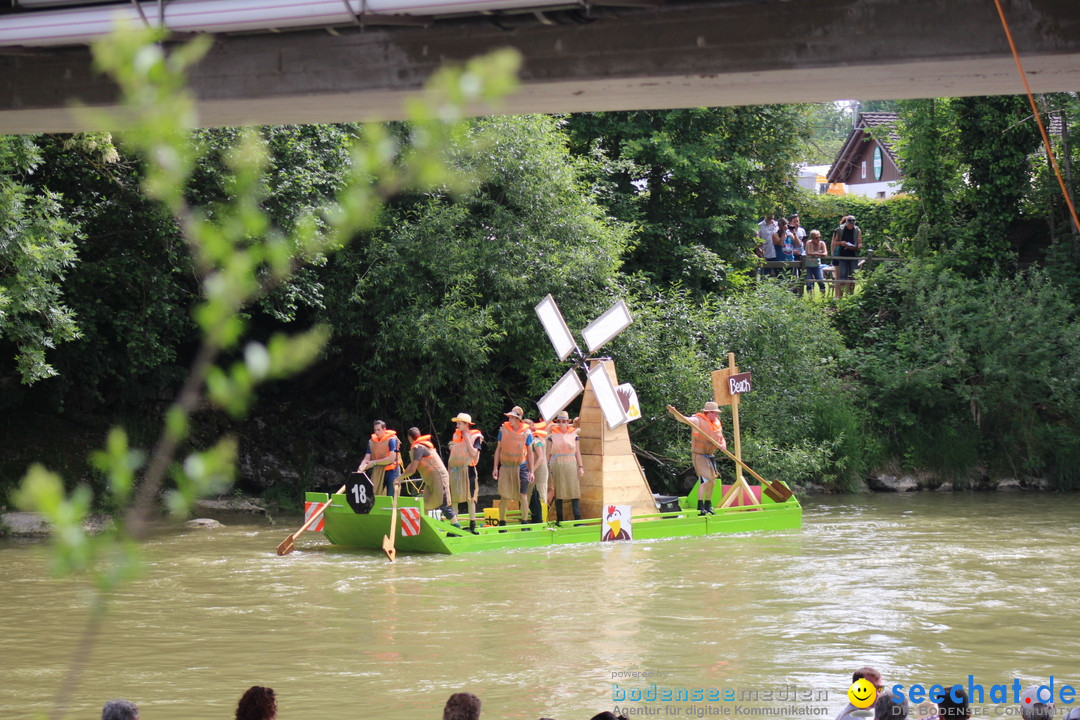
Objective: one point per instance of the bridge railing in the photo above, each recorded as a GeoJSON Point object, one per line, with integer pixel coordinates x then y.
{"type": "Point", "coordinates": [780, 269]}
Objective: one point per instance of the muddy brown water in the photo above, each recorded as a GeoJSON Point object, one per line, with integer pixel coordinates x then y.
{"type": "Point", "coordinates": [927, 587]}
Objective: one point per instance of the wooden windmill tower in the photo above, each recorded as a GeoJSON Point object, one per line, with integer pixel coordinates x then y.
{"type": "Point", "coordinates": [613, 475]}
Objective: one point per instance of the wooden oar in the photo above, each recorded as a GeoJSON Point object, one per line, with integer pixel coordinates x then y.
{"type": "Point", "coordinates": [776, 491]}
{"type": "Point", "coordinates": [289, 544]}
{"type": "Point", "coordinates": [388, 542]}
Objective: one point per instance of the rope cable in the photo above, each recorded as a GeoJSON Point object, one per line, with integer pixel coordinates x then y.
{"type": "Point", "coordinates": [1038, 117]}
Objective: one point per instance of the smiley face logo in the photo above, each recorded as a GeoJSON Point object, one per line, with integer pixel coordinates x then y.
{"type": "Point", "coordinates": [862, 693]}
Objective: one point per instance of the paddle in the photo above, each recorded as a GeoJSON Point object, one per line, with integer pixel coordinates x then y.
{"type": "Point", "coordinates": [776, 491]}
{"type": "Point", "coordinates": [388, 542]}
{"type": "Point", "coordinates": [289, 544]}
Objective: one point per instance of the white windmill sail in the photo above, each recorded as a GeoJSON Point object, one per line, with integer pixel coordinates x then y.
{"type": "Point", "coordinates": [601, 330]}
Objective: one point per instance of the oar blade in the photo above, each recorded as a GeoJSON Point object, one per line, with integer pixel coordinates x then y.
{"type": "Point", "coordinates": [777, 492]}
{"type": "Point", "coordinates": [389, 549]}
{"type": "Point", "coordinates": [287, 546]}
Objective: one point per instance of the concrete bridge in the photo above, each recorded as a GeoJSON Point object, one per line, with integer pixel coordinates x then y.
{"type": "Point", "coordinates": [597, 57]}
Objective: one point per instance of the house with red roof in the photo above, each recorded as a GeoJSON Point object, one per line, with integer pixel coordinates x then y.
{"type": "Point", "coordinates": [867, 164]}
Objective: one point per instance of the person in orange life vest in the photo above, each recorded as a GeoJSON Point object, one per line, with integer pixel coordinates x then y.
{"type": "Point", "coordinates": [425, 458]}
{"type": "Point", "coordinates": [704, 452]}
{"type": "Point", "coordinates": [538, 490]}
{"type": "Point", "coordinates": [464, 454]}
{"type": "Point", "coordinates": [513, 469]}
{"type": "Point", "coordinates": [383, 457]}
{"type": "Point", "coordinates": [564, 462]}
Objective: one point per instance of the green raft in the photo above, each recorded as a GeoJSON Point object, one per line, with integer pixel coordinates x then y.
{"type": "Point", "coordinates": [350, 529]}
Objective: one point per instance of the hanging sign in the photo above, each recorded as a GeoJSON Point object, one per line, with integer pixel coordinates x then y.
{"type": "Point", "coordinates": [360, 493]}
{"type": "Point", "coordinates": [739, 384]}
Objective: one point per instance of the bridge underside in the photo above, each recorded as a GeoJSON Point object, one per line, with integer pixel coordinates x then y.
{"type": "Point", "coordinates": [685, 55]}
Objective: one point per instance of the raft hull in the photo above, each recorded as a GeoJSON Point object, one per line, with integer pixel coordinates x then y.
{"type": "Point", "coordinates": [347, 528]}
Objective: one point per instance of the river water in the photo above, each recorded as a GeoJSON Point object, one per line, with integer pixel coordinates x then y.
{"type": "Point", "coordinates": [929, 588]}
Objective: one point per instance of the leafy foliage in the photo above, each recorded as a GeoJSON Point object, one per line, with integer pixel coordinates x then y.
{"type": "Point", "coordinates": [37, 249]}
{"type": "Point", "coordinates": [691, 181]}
{"type": "Point", "coordinates": [957, 370]}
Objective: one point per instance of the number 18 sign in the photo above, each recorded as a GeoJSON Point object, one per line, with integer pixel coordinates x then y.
{"type": "Point", "coordinates": [360, 493]}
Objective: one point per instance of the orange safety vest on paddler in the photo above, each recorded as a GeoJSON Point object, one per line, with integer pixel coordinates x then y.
{"type": "Point", "coordinates": [699, 444]}
{"type": "Point", "coordinates": [379, 447]}
{"type": "Point", "coordinates": [431, 464]}
{"type": "Point", "coordinates": [512, 442]}
{"type": "Point", "coordinates": [563, 444]}
{"type": "Point", "coordinates": [460, 445]}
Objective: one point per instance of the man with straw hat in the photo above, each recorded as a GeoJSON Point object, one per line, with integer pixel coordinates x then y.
{"type": "Point", "coordinates": [513, 468]}
{"type": "Point", "coordinates": [707, 422]}
{"type": "Point", "coordinates": [464, 454]}
{"type": "Point", "coordinates": [564, 463]}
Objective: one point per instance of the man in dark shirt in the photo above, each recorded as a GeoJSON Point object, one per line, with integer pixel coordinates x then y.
{"type": "Point", "coordinates": [846, 243]}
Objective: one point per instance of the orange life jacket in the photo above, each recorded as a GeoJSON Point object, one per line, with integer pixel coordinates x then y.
{"type": "Point", "coordinates": [512, 443]}
{"type": "Point", "coordinates": [460, 445]}
{"type": "Point", "coordinates": [564, 443]}
{"type": "Point", "coordinates": [540, 429]}
{"type": "Point", "coordinates": [380, 445]}
{"type": "Point", "coordinates": [431, 464]}
{"type": "Point", "coordinates": [715, 430]}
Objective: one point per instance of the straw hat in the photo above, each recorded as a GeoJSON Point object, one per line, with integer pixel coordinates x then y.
{"type": "Point", "coordinates": [462, 417]}
{"type": "Point", "coordinates": [516, 412]}
{"type": "Point", "coordinates": [710, 407]}
{"type": "Point", "coordinates": [562, 415]}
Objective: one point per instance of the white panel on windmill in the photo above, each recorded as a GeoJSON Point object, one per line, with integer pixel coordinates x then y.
{"type": "Point", "coordinates": [560, 395]}
{"type": "Point", "coordinates": [555, 327]}
{"type": "Point", "coordinates": [614, 320]}
{"type": "Point", "coordinates": [607, 397]}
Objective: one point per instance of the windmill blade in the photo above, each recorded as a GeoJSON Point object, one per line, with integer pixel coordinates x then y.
{"type": "Point", "coordinates": [606, 396]}
{"type": "Point", "coordinates": [555, 327]}
{"type": "Point", "coordinates": [560, 395]}
{"type": "Point", "coordinates": [614, 320]}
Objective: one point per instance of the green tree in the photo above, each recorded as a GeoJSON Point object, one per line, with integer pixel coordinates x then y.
{"type": "Point", "coordinates": [434, 308]}
{"type": "Point", "coordinates": [37, 250]}
{"type": "Point", "coordinates": [692, 182]}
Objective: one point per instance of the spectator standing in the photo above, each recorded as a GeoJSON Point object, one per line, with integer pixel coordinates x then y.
{"type": "Point", "coordinates": [119, 709]}
{"type": "Point", "coordinates": [784, 242]}
{"type": "Point", "coordinates": [846, 244]}
{"type": "Point", "coordinates": [766, 230]}
{"type": "Point", "coordinates": [799, 239]}
{"type": "Point", "coordinates": [816, 250]}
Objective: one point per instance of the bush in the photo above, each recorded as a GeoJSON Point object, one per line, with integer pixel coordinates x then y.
{"type": "Point", "coordinates": [889, 226]}
{"type": "Point", "coordinates": [799, 422]}
{"type": "Point", "coordinates": [957, 371]}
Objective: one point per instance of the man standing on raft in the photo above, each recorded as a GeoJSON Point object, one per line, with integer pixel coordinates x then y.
{"type": "Point", "coordinates": [382, 457]}
{"type": "Point", "coordinates": [513, 469]}
{"type": "Point", "coordinates": [564, 462]}
{"type": "Point", "coordinates": [707, 422]}
{"type": "Point", "coordinates": [464, 454]}
{"type": "Point", "coordinates": [436, 478]}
